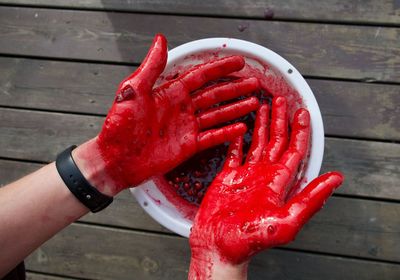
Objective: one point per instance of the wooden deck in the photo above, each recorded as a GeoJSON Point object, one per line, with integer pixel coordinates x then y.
{"type": "Point", "coordinates": [60, 63]}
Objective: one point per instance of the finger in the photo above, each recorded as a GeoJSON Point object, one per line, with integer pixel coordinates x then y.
{"type": "Point", "coordinates": [235, 153]}
{"type": "Point", "coordinates": [298, 210]}
{"type": "Point", "coordinates": [304, 205]}
{"type": "Point", "coordinates": [213, 70]}
{"type": "Point", "coordinates": [218, 136]}
{"type": "Point", "coordinates": [297, 150]}
{"type": "Point", "coordinates": [152, 66]}
{"type": "Point", "coordinates": [301, 128]}
{"type": "Point", "coordinates": [299, 141]}
{"type": "Point", "coordinates": [223, 92]}
{"type": "Point", "coordinates": [279, 131]}
{"type": "Point", "coordinates": [260, 135]}
{"type": "Point", "coordinates": [228, 112]}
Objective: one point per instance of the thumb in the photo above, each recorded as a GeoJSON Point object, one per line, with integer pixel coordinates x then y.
{"type": "Point", "coordinates": [153, 65]}
{"type": "Point", "coordinates": [310, 200]}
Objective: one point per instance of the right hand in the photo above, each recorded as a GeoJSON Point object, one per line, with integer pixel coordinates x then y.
{"type": "Point", "coordinates": [246, 209]}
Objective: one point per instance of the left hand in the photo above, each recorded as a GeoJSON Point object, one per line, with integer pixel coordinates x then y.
{"type": "Point", "coordinates": [245, 210]}
{"type": "Point", "coordinates": [149, 131]}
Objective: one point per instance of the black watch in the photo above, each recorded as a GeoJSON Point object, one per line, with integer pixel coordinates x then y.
{"type": "Point", "coordinates": [77, 183]}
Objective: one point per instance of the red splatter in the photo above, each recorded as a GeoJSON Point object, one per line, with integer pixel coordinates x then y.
{"type": "Point", "coordinates": [242, 27]}
{"type": "Point", "coordinates": [268, 13]}
{"type": "Point", "coordinates": [157, 201]}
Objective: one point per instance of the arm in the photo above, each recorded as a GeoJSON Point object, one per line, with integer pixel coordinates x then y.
{"type": "Point", "coordinates": [148, 131]}
{"type": "Point", "coordinates": [248, 207]}
{"type": "Point", "coordinates": [39, 205]}
{"type": "Point", "coordinates": [33, 209]}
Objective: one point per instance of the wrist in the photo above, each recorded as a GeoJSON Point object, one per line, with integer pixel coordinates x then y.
{"type": "Point", "coordinates": [91, 164]}
{"type": "Point", "coordinates": [206, 264]}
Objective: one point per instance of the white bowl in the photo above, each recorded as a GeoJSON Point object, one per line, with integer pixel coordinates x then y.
{"type": "Point", "coordinates": [172, 212]}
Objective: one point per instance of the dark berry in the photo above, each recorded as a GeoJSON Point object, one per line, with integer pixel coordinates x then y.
{"type": "Point", "coordinates": [198, 186]}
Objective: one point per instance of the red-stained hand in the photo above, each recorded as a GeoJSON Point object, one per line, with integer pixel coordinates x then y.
{"type": "Point", "coordinates": [149, 131]}
{"type": "Point", "coordinates": [246, 209]}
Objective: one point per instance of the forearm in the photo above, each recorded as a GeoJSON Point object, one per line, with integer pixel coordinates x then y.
{"type": "Point", "coordinates": [33, 209]}
{"type": "Point", "coordinates": [210, 266]}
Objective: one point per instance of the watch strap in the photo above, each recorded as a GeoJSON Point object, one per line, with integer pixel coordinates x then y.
{"type": "Point", "coordinates": [77, 183]}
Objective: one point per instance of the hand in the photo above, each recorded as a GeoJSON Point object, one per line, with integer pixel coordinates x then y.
{"type": "Point", "coordinates": [246, 208]}
{"type": "Point", "coordinates": [150, 131]}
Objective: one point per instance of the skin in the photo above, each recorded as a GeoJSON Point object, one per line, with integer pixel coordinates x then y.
{"type": "Point", "coordinates": [148, 131]}
{"type": "Point", "coordinates": [33, 209]}
{"type": "Point", "coordinates": [225, 235]}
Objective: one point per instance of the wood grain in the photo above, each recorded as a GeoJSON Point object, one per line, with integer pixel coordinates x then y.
{"type": "Point", "coordinates": [122, 254]}
{"type": "Point", "coordinates": [351, 238]}
{"type": "Point", "coordinates": [372, 169]}
{"type": "Point", "coordinates": [350, 52]}
{"type": "Point", "coordinates": [123, 212]}
{"type": "Point", "coordinates": [11, 170]}
{"type": "Point", "coordinates": [350, 227]}
{"type": "Point", "coordinates": [349, 109]}
{"type": "Point", "coordinates": [39, 276]}
{"type": "Point", "coordinates": [61, 86]}
{"type": "Point", "coordinates": [359, 110]}
{"type": "Point", "coordinates": [40, 136]}
{"type": "Point", "coordinates": [367, 11]}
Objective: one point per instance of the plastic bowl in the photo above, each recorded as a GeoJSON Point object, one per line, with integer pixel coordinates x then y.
{"type": "Point", "coordinates": [149, 196]}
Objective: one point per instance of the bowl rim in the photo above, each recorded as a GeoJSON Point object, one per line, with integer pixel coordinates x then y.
{"type": "Point", "coordinates": [148, 195]}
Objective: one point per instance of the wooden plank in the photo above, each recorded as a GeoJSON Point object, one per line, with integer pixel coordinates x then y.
{"type": "Point", "coordinates": [301, 266]}
{"type": "Point", "coordinates": [39, 276]}
{"type": "Point", "coordinates": [119, 254]}
{"type": "Point", "coordinates": [41, 136]}
{"type": "Point", "coordinates": [351, 227]}
{"type": "Point", "coordinates": [23, 126]}
{"type": "Point", "coordinates": [124, 212]}
{"type": "Point", "coordinates": [12, 170]}
{"type": "Point", "coordinates": [350, 52]}
{"type": "Point", "coordinates": [359, 109]}
{"type": "Point", "coordinates": [369, 11]}
{"type": "Point", "coordinates": [372, 169]}
{"type": "Point", "coordinates": [62, 86]}
{"type": "Point", "coordinates": [99, 253]}
{"type": "Point", "coordinates": [349, 109]}
{"type": "Point", "coordinates": [364, 230]}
